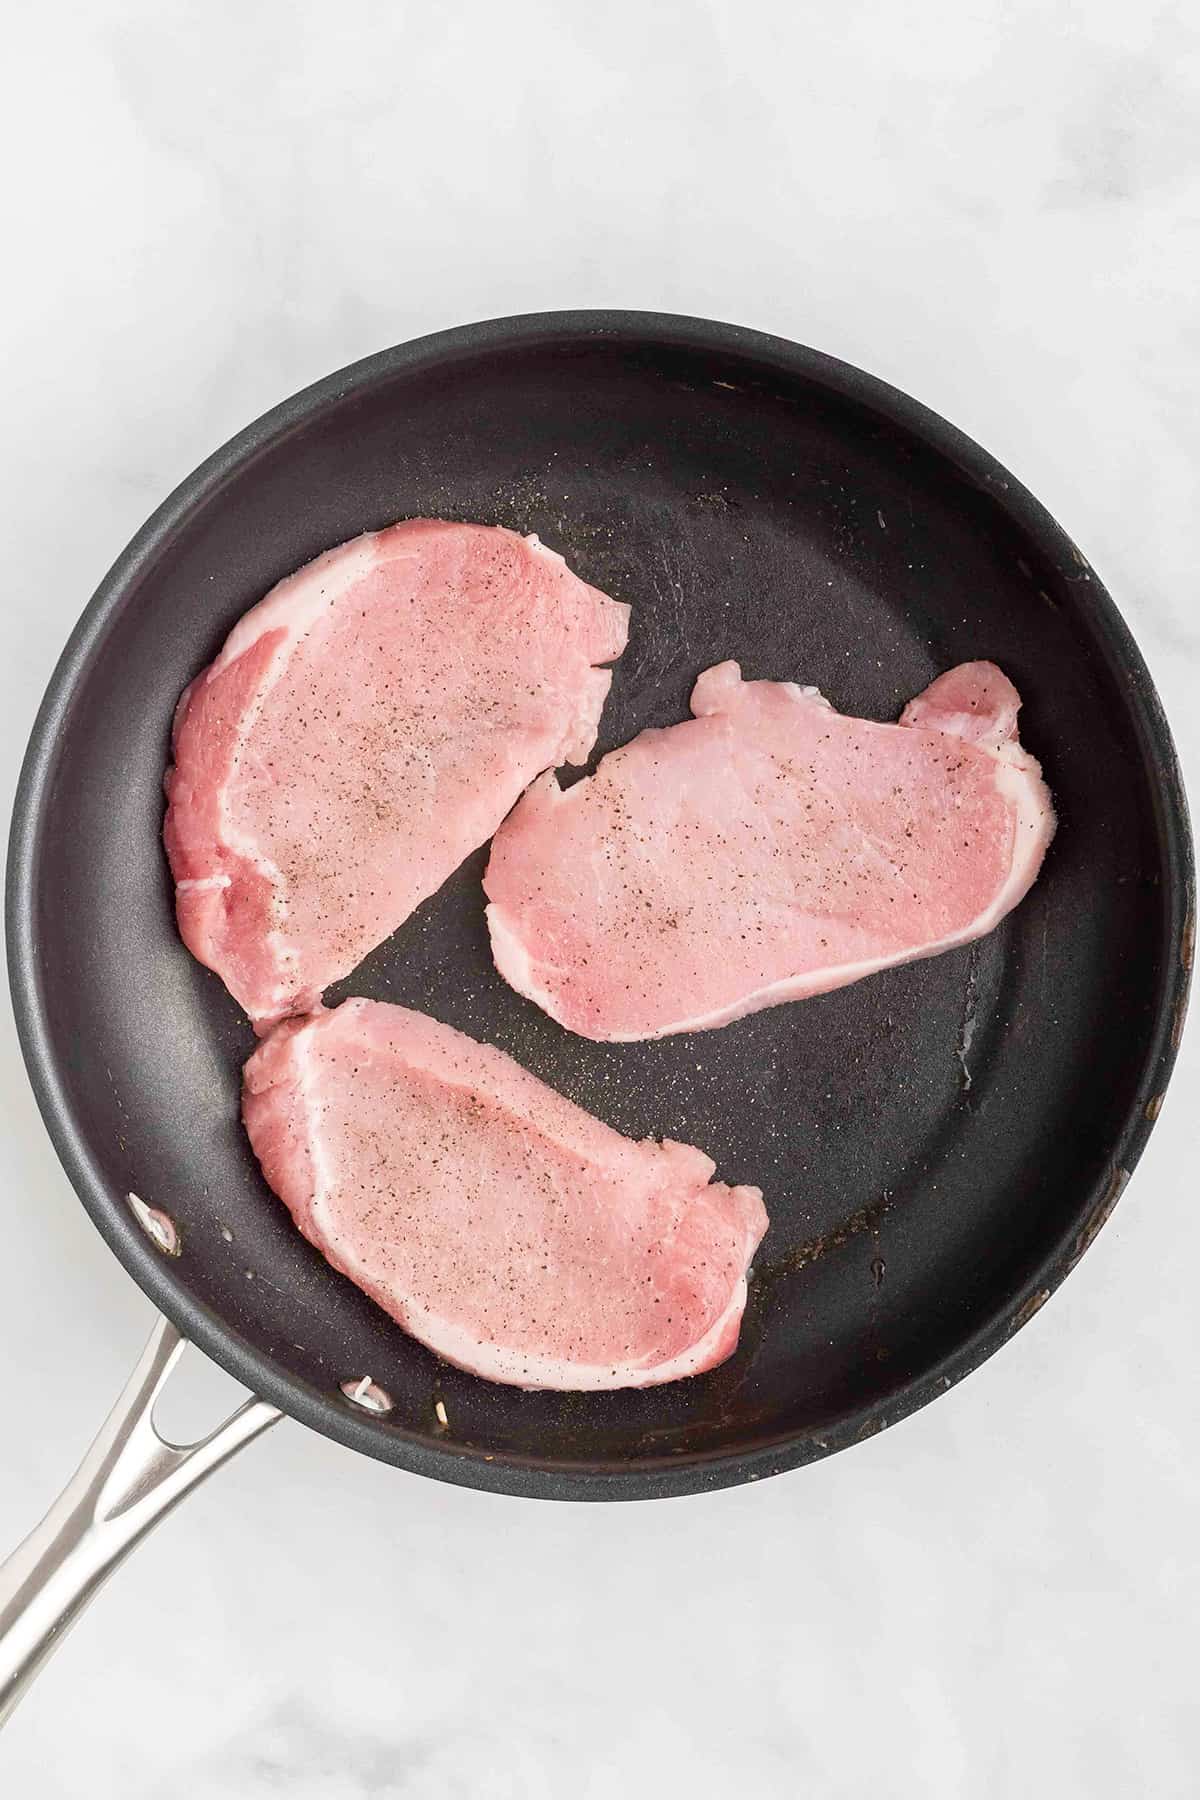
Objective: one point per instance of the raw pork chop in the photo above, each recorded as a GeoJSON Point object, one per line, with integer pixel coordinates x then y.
{"type": "Point", "coordinates": [503, 1226]}
{"type": "Point", "coordinates": [365, 727]}
{"type": "Point", "coordinates": [766, 850]}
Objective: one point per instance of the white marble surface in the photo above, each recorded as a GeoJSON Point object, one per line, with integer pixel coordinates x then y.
{"type": "Point", "coordinates": [997, 206]}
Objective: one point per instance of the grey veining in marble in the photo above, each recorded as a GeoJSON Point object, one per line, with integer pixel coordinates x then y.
{"type": "Point", "coordinates": [996, 205]}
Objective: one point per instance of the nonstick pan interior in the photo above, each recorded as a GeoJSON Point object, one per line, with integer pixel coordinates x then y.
{"type": "Point", "coordinates": [936, 1144]}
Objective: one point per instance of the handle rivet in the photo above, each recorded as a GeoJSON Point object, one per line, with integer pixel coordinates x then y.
{"type": "Point", "coordinates": [368, 1394]}
{"type": "Point", "coordinates": [158, 1227]}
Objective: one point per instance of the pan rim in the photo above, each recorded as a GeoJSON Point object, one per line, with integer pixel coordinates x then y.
{"type": "Point", "coordinates": [331, 1415]}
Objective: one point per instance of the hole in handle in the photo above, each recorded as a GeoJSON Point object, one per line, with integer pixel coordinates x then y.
{"type": "Point", "coordinates": [196, 1398]}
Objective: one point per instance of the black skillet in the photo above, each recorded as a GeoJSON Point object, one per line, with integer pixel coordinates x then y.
{"type": "Point", "coordinates": [937, 1145]}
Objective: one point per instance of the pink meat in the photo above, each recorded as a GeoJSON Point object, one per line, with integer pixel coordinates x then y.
{"type": "Point", "coordinates": [765, 850]}
{"type": "Point", "coordinates": [365, 727]}
{"type": "Point", "coordinates": [497, 1222]}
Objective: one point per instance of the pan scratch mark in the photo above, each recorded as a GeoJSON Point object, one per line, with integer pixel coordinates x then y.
{"type": "Point", "coordinates": [1112, 1193]}
{"type": "Point", "coordinates": [271, 1284]}
{"type": "Point", "coordinates": [870, 1427]}
{"type": "Point", "coordinates": [674, 595]}
{"type": "Point", "coordinates": [263, 1281]}
{"type": "Point", "coordinates": [1034, 1304]}
{"type": "Point", "coordinates": [1180, 1015]}
{"type": "Point", "coordinates": [966, 1031]}
{"type": "Point", "coordinates": [666, 619]}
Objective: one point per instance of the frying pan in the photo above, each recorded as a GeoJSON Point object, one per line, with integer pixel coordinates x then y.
{"type": "Point", "coordinates": [938, 1145]}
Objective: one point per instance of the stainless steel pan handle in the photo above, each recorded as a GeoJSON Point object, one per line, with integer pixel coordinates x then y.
{"type": "Point", "coordinates": [129, 1478]}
